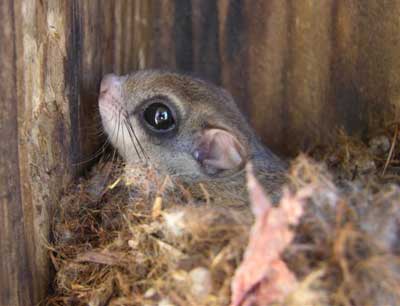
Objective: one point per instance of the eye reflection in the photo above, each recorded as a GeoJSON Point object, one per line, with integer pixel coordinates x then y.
{"type": "Point", "coordinates": [159, 116]}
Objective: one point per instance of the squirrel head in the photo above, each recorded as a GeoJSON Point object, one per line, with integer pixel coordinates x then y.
{"type": "Point", "coordinates": [182, 125]}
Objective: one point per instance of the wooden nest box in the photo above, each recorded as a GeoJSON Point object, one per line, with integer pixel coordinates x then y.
{"type": "Point", "coordinates": [298, 70]}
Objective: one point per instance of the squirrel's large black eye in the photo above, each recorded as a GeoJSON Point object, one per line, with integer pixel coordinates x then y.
{"type": "Point", "coordinates": [159, 116]}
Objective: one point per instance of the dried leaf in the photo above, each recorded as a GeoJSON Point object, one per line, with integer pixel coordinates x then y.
{"type": "Point", "coordinates": [263, 276]}
{"type": "Point", "coordinates": [115, 258]}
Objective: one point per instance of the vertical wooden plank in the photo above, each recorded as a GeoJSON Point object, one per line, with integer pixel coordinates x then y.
{"type": "Point", "coordinates": [268, 61]}
{"type": "Point", "coordinates": [309, 115]}
{"type": "Point", "coordinates": [183, 35]}
{"type": "Point", "coordinates": [16, 273]}
{"type": "Point", "coordinates": [378, 63]}
{"type": "Point", "coordinates": [142, 28]}
{"type": "Point", "coordinates": [205, 40]}
{"type": "Point", "coordinates": [233, 49]}
{"type": "Point", "coordinates": [392, 110]}
{"type": "Point", "coordinates": [345, 94]}
{"type": "Point", "coordinates": [162, 46]}
{"type": "Point", "coordinates": [276, 62]}
{"type": "Point", "coordinates": [44, 128]}
{"type": "Point", "coordinates": [95, 44]}
{"type": "Point", "coordinates": [107, 20]}
{"type": "Point", "coordinates": [365, 67]}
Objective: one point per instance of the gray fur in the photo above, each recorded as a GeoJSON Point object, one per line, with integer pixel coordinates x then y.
{"type": "Point", "coordinates": [200, 105]}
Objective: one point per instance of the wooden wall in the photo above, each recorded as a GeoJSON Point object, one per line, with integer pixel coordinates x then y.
{"type": "Point", "coordinates": [298, 69]}
{"type": "Point", "coordinates": [52, 56]}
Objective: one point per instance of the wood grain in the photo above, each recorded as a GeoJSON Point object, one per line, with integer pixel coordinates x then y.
{"type": "Point", "coordinates": [297, 69]}
{"type": "Point", "coordinates": [53, 55]}
{"type": "Point", "coordinates": [16, 272]}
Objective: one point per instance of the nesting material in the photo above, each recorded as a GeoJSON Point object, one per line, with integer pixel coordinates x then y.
{"type": "Point", "coordinates": [132, 237]}
{"type": "Point", "coordinates": [142, 240]}
{"type": "Point", "coordinates": [263, 276]}
{"type": "Point", "coordinates": [346, 245]}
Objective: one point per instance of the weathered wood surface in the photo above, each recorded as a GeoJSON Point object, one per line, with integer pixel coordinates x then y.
{"type": "Point", "coordinates": [298, 69]}
{"type": "Point", "coordinates": [16, 273]}
{"type": "Point", "coordinates": [52, 54]}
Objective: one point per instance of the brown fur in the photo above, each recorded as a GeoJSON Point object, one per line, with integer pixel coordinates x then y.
{"type": "Point", "coordinates": [200, 105]}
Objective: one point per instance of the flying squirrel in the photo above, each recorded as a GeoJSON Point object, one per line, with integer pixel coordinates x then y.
{"type": "Point", "coordinates": [188, 129]}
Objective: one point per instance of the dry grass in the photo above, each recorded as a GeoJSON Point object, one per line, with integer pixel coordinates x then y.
{"type": "Point", "coordinates": [131, 237]}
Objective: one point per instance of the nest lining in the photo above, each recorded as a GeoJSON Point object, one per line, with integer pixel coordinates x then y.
{"type": "Point", "coordinates": [132, 237]}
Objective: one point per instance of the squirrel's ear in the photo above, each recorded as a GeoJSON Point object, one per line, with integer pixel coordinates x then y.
{"type": "Point", "coordinates": [219, 149]}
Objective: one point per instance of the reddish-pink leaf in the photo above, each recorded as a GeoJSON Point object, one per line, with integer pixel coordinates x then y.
{"type": "Point", "coordinates": [263, 278]}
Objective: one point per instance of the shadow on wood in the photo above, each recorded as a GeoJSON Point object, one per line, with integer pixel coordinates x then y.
{"type": "Point", "coordinates": [298, 70]}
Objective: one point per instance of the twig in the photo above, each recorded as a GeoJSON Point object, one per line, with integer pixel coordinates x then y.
{"type": "Point", "coordinates": [390, 155]}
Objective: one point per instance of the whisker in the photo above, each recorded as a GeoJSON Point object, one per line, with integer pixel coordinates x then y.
{"type": "Point", "coordinates": [137, 139]}
{"type": "Point", "coordinates": [132, 138]}
{"type": "Point", "coordinates": [129, 125]}
{"type": "Point", "coordinates": [113, 156]}
{"type": "Point", "coordinates": [119, 124]}
{"type": "Point", "coordinates": [101, 150]}
{"type": "Point", "coordinates": [95, 155]}
{"type": "Point", "coordinates": [97, 133]}
{"type": "Point", "coordinates": [123, 141]}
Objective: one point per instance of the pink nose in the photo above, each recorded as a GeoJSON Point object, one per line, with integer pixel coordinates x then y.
{"type": "Point", "coordinates": [108, 82]}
